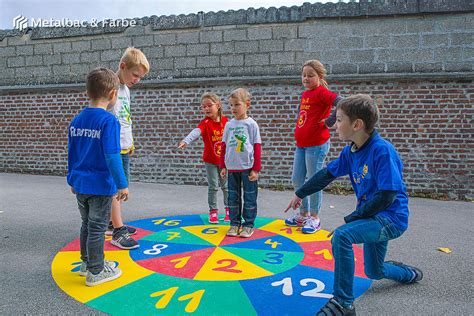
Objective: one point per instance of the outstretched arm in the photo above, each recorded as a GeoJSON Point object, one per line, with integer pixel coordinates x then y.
{"type": "Point", "coordinates": [379, 202]}
{"type": "Point", "coordinates": [317, 182]}
{"type": "Point", "coordinates": [195, 134]}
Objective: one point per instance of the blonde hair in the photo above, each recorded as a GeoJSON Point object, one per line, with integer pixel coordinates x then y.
{"type": "Point", "coordinates": [241, 94]}
{"type": "Point", "coordinates": [214, 99]}
{"type": "Point", "coordinates": [100, 82]}
{"type": "Point", "coordinates": [319, 68]}
{"type": "Point", "coordinates": [133, 57]}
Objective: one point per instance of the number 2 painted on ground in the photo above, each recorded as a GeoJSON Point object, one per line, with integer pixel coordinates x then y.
{"type": "Point", "coordinates": [228, 268]}
{"type": "Point", "coordinates": [287, 288]}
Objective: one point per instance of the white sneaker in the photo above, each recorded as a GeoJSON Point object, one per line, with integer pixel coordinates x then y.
{"type": "Point", "coordinates": [311, 225]}
{"type": "Point", "coordinates": [246, 232]}
{"type": "Point", "coordinates": [107, 274]}
{"type": "Point", "coordinates": [296, 220]}
{"type": "Point", "coordinates": [83, 271]}
{"type": "Point", "coordinates": [233, 231]}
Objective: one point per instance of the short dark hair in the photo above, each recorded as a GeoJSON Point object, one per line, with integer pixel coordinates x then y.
{"type": "Point", "coordinates": [360, 106]}
{"type": "Point", "coordinates": [100, 82]}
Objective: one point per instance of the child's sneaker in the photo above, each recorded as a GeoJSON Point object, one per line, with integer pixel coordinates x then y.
{"type": "Point", "coordinates": [311, 225]}
{"type": "Point", "coordinates": [233, 231]}
{"type": "Point", "coordinates": [131, 230]}
{"type": "Point", "coordinates": [246, 232]}
{"type": "Point", "coordinates": [417, 273]}
{"type": "Point", "coordinates": [121, 238]}
{"type": "Point", "coordinates": [83, 271]}
{"type": "Point", "coordinates": [334, 308]}
{"type": "Point", "coordinates": [296, 220]}
{"type": "Point", "coordinates": [107, 274]}
{"type": "Point", "coordinates": [227, 217]}
{"type": "Point", "coordinates": [110, 230]}
{"type": "Point", "coordinates": [213, 219]}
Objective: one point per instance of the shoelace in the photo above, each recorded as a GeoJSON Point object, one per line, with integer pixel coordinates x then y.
{"type": "Point", "coordinates": [311, 222]}
{"type": "Point", "coordinates": [107, 268]}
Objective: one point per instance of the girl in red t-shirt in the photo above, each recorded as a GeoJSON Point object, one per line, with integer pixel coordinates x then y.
{"type": "Point", "coordinates": [312, 141]}
{"type": "Point", "coordinates": [211, 129]}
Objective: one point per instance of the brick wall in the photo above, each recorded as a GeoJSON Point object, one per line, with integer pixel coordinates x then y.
{"type": "Point", "coordinates": [429, 122]}
{"type": "Point", "coordinates": [416, 60]}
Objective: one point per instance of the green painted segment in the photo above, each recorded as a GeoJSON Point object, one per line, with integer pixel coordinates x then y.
{"type": "Point", "coordinates": [171, 236]}
{"type": "Point", "coordinates": [138, 298]}
{"type": "Point", "coordinates": [262, 221]}
{"type": "Point", "coordinates": [273, 261]}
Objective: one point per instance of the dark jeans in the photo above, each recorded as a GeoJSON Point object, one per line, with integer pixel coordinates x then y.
{"type": "Point", "coordinates": [238, 181]}
{"type": "Point", "coordinates": [95, 214]}
{"type": "Point", "coordinates": [374, 233]}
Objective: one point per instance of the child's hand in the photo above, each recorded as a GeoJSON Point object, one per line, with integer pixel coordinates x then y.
{"type": "Point", "coordinates": [131, 152]}
{"type": "Point", "coordinates": [223, 173]}
{"type": "Point", "coordinates": [72, 190]}
{"type": "Point", "coordinates": [253, 175]}
{"type": "Point", "coordinates": [182, 145]}
{"type": "Point", "coordinates": [122, 195]}
{"type": "Point", "coordinates": [294, 203]}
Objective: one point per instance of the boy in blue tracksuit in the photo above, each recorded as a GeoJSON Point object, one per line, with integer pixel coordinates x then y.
{"type": "Point", "coordinates": [95, 172]}
{"type": "Point", "coordinates": [381, 214]}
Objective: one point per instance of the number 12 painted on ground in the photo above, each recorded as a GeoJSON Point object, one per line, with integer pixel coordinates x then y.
{"type": "Point", "coordinates": [287, 288]}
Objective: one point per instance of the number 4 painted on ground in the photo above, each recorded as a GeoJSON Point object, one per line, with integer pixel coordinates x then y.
{"type": "Point", "coordinates": [194, 298]}
{"type": "Point", "coordinates": [273, 243]}
{"type": "Point", "coordinates": [287, 288]}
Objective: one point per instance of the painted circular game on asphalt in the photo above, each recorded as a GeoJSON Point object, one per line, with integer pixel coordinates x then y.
{"type": "Point", "coordinates": [187, 266]}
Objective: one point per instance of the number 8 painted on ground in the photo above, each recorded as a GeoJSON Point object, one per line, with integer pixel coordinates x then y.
{"type": "Point", "coordinates": [156, 249]}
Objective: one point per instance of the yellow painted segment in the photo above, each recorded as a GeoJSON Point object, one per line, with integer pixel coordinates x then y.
{"type": "Point", "coordinates": [210, 233]}
{"type": "Point", "coordinates": [75, 285]}
{"type": "Point", "coordinates": [223, 266]}
{"type": "Point", "coordinates": [294, 233]}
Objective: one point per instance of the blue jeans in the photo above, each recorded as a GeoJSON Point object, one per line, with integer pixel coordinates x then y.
{"type": "Point", "coordinates": [126, 166]}
{"type": "Point", "coordinates": [95, 214]}
{"type": "Point", "coordinates": [307, 162]}
{"type": "Point", "coordinates": [374, 233]}
{"type": "Point", "coordinates": [238, 181]}
{"type": "Point", "coordinates": [214, 181]}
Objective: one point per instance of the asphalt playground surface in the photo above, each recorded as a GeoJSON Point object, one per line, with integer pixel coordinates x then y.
{"type": "Point", "coordinates": [38, 216]}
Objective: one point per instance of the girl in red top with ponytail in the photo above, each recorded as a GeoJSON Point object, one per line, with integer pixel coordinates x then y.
{"type": "Point", "coordinates": [312, 140]}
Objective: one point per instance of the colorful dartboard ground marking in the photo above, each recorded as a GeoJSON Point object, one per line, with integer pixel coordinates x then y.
{"type": "Point", "coordinates": [186, 266]}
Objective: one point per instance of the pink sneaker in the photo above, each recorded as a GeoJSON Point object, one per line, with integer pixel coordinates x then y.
{"type": "Point", "coordinates": [213, 219]}
{"type": "Point", "coordinates": [227, 217]}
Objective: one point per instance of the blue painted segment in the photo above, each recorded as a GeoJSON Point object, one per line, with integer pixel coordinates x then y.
{"type": "Point", "coordinates": [272, 243]}
{"type": "Point", "coordinates": [299, 291]}
{"type": "Point", "coordinates": [166, 222]}
{"type": "Point", "coordinates": [153, 249]}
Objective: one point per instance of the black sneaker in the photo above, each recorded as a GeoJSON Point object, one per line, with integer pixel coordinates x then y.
{"type": "Point", "coordinates": [418, 273]}
{"type": "Point", "coordinates": [131, 230]}
{"type": "Point", "coordinates": [110, 230]}
{"type": "Point", "coordinates": [121, 238]}
{"type": "Point", "coordinates": [334, 308]}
